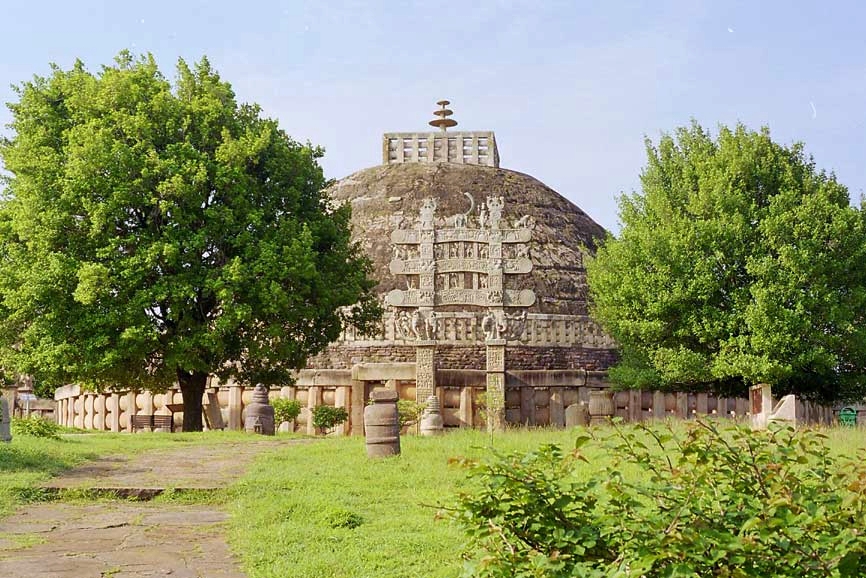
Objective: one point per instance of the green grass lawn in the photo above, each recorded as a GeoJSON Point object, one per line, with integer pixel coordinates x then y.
{"type": "Point", "coordinates": [323, 509]}
{"type": "Point", "coordinates": [326, 510]}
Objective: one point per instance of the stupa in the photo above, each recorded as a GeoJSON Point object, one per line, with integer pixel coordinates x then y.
{"type": "Point", "coordinates": [480, 271]}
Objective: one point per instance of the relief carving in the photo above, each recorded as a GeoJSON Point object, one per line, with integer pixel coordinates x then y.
{"type": "Point", "coordinates": [461, 220]}
{"type": "Point", "coordinates": [524, 222]}
{"type": "Point", "coordinates": [494, 325]}
{"type": "Point", "coordinates": [424, 372]}
{"type": "Point", "coordinates": [496, 358]}
{"type": "Point", "coordinates": [494, 206]}
{"type": "Point", "coordinates": [427, 213]}
{"type": "Point", "coordinates": [414, 325]}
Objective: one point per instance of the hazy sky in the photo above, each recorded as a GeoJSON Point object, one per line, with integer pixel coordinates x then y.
{"type": "Point", "coordinates": [571, 88]}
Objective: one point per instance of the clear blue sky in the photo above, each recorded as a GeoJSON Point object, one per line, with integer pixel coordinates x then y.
{"type": "Point", "coordinates": [570, 87]}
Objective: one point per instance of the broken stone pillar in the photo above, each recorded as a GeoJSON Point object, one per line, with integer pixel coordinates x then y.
{"type": "Point", "coordinates": [600, 407]}
{"type": "Point", "coordinates": [761, 404]}
{"type": "Point", "coordinates": [382, 425]}
{"type": "Point", "coordinates": [577, 414]}
{"type": "Point", "coordinates": [431, 418]}
{"type": "Point", "coordinates": [5, 422]}
{"type": "Point", "coordinates": [358, 398]}
{"type": "Point", "coordinates": [785, 411]}
{"type": "Point", "coordinates": [259, 414]}
{"type": "Point", "coordinates": [235, 406]}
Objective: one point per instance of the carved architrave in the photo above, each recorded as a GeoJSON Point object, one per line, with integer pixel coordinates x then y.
{"type": "Point", "coordinates": [410, 298]}
{"type": "Point", "coordinates": [413, 236]}
{"type": "Point", "coordinates": [406, 236]}
{"type": "Point", "coordinates": [479, 297]}
{"type": "Point", "coordinates": [481, 235]}
{"type": "Point", "coordinates": [416, 266]}
{"type": "Point", "coordinates": [531, 329]}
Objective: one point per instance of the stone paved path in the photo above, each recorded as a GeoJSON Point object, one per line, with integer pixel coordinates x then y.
{"type": "Point", "coordinates": [125, 539]}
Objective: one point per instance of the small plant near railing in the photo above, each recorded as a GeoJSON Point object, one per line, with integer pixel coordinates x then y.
{"type": "Point", "coordinates": [286, 409]}
{"type": "Point", "coordinates": [409, 412]}
{"type": "Point", "coordinates": [327, 417]}
{"type": "Point", "coordinates": [704, 500]}
{"type": "Point", "coordinates": [36, 426]}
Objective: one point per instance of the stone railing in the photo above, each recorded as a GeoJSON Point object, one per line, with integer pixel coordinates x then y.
{"type": "Point", "coordinates": [532, 397]}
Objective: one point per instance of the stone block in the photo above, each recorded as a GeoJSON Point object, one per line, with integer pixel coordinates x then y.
{"type": "Point", "coordinates": [577, 414]}
{"type": "Point", "coordinates": [5, 422]}
{"type": "Point", "coordinates": [785, 411]}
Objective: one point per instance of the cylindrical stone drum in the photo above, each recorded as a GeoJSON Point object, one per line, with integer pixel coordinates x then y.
{"type": "Point", "coordinates": [600, 407]}
{"type": "Point", "coordinates": [431, 419]}
{"type": "Point", "coordinates": [382, 425]}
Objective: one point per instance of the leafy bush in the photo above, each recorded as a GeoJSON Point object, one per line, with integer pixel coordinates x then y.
{"type": "Point", "coordinates": [409, 412]}
{"type": "Point", "coordinates": [36, 426]}
{"type": "Point", "coordinates": [326, 417]}
{"type": "Point", "coordinates": [703, 501]}
{"type": "Point", "coordinates": [285, 409]}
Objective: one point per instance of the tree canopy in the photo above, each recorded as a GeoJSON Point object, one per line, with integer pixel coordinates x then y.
{"type": "Point", "coordinates": [738, 263]}
{"type": "Point", "coordinates": [153, 232]}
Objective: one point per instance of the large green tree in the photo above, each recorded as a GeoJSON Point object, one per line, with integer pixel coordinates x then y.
{"type": "Point", "coordinates": [153, 233]}
{"type": "Point", "coordinates": [738, 263]}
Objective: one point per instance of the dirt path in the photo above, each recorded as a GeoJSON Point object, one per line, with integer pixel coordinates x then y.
{"type": "Point", "coordinates": [125, 539]}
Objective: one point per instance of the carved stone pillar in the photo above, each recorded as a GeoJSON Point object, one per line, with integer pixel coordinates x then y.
{"type": "Point", "coordinates": [495, 384]}
{"type": "Point", "coordinates": [235, 406]}
{"type": "Point", "coordinates": [425, 370]}
{"type": "Point", "coordinates": [359, 401]}
{"type": "Point", "coordinates": [115, 412]}
{"type": "Point", "coordinates": [131, 410]}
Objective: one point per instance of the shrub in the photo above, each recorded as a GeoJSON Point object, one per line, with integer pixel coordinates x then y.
{"type": "Point", "coordinates": [409, 412]}
{"type": "Point", "coordinates": [36, 426]}
{"type": "Point", "coordinates": [286, 409]}
{"type": "Point", "coordinates": [326, 417]}
{"type": "Point", "coordinates": [699, 501]}
{"type": "Point", "coordinates": [340, 518]}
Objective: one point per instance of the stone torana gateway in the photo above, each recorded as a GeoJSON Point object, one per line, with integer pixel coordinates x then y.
{"type": "Point", "coordinates": [480, 271]}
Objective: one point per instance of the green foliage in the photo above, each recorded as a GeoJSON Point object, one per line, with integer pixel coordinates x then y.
{"type": "Point", "coordinates": [738, 263]}
{"type": "Point", "coordinates": [153, 232]}
{"type": "Point", "coordinates": [285, 409]}
{"type": "Point", "coordinates": [705, 501]}
{"type": "Point", "coordinates": [340, 518]}
{"type": "Point", "coordinates": [409, 412]}
{"type": "Point", "coordinates": [36, 426]}
{"type": "Point", "coordinates": [327, 417]}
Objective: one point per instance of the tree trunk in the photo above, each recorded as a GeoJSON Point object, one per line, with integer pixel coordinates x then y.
{"type": "Point", "coordinates": [192, 388]}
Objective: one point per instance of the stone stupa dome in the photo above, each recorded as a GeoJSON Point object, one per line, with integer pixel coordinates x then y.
{"type": "Point", "coordinates": [468, 256]}
{"type": "Point", "coordinates": [389, 197]}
